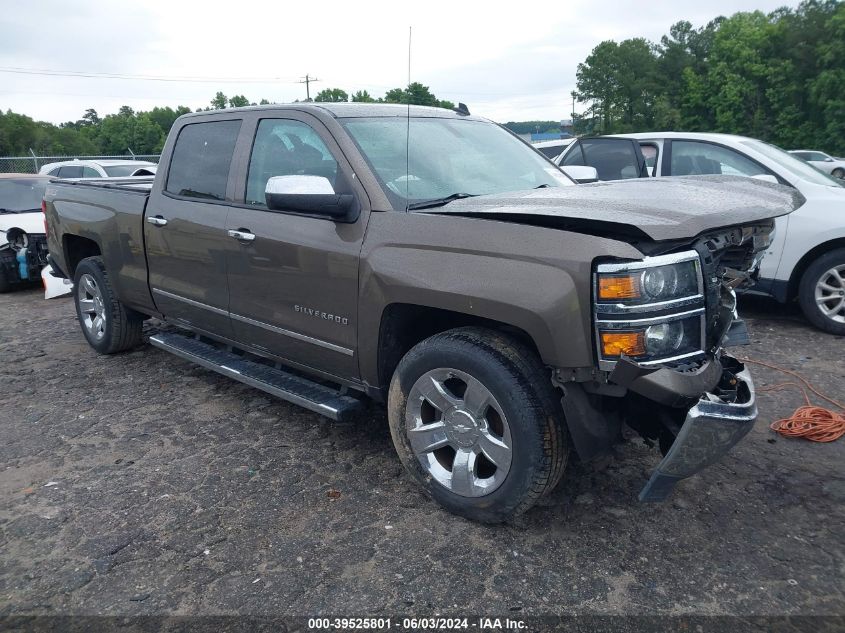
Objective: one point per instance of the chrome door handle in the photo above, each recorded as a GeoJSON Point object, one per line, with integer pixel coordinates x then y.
{"type": "Point", "coordinates": [246, 236]}
{"type": "Point", "coordinates": [156, 220]}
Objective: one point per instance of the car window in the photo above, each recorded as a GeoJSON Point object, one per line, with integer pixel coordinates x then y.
{"type": "Point", "coordinates": [70, 171]}
{"type": "Point", "coordinates": [650, 154]}
{"type": "Point", "coordinates": [90, 172]}
{"type": "Point", "coordinates": [550, 151]}
{"type": "Point", "coordinates": [816, 156]}
{"type": "Point", "coordinates": [574, 156]}
{"type": "Point", "coordinates": [22, 194]}
{"type": "Point", "coordinates": [121, 171]}
{"type": "Point", "coordinates": [613, 159]}
{"type": "Point", "coordinates": [692, 158]}
{"type": "Point", "coordinates": [285, 148]}
{"type": "Point", "coordinates": [201, 159]}
{"type": "Point", "coordinates": [54, 172]}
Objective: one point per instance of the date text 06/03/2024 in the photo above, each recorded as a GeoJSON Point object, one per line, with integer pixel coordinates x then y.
{"type": "Point", "coordinates": [416, 624]}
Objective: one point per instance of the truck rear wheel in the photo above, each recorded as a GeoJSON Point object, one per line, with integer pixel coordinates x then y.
{"type": "Point", "coordinates": [476, 421]}
{"type": "Point", "coordinates": [821, 292]}
{"type": "Point", "coordinates": [108, 325]}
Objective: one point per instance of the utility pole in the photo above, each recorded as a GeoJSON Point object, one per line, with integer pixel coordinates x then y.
{"type": "Point", "coordinates": [307, 81]}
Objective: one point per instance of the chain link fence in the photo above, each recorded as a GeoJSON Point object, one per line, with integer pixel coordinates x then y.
{"type": "Point", "coordinates": [32, 163]}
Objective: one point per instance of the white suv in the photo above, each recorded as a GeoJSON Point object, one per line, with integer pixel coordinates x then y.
{"type": "Point", "coordinates": [99, 168]}
{"type": "Point", "coordinates": [806, 260]}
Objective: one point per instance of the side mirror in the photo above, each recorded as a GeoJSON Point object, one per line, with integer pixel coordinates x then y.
{"type": "Point", "coordinates": [581, 173]}
{"type": "Point", "coordinates": [766, 178]}
{"type": "Point", "coordinates": [309, 195]}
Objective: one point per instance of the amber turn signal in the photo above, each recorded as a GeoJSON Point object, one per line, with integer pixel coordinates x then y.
{"type": "Point", "coordinates": [619, 287]}
{"type": "Point", "coordinates": [619, 343]}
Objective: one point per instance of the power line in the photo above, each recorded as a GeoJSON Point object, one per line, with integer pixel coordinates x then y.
{"type": "Point", "coordinates": [91, 75]}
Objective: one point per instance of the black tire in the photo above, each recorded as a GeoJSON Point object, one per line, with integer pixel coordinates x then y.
{"type": "Point", "coordinates": [122, 325]}
{"type": "Point", "coordinates": [807, 292]}
{"type": "Point", "coordinates": [521, 386]}
{"type": "Point", "coordinates": [839, 173]}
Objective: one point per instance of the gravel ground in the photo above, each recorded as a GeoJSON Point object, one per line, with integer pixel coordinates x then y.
{"type": "Point", "coordinates": [140, 484]}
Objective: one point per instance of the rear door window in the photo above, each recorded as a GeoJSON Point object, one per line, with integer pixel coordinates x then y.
{"type": "Point", "coordinates": [201, 160]}
{"type": "Point", "coordinates": [90, 172]}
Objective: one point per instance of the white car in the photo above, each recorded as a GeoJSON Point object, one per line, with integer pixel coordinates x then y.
{"type": "Point", "coordinates": [827, 163]}
{"type": "Point", "coordinates": [23, 242]}
{"type": "Point", "coordinates": [806, 260]}
{"type": "Point", "coordinates": [99, 169]}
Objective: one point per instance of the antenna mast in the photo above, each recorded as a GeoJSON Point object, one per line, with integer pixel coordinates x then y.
{"type": "Point", "coordinates": [408, 130]}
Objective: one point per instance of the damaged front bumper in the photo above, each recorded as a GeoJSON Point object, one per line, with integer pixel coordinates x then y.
{"type": "Point", "coordinates": [723, 415]}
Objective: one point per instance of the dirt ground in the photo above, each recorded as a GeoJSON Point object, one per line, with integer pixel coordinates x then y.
{"type": "Point", "coordinates": [140, 484]}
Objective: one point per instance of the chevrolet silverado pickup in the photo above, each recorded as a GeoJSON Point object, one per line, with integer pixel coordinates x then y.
{"type": "Point", "coordinates": [431, 260]}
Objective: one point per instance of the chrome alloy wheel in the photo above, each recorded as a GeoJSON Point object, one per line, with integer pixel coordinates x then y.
{"type": "Point", "coordinates": [91, 308]}
{"type": "Point", "coordinates": [458, 432]}
{"type": "Point", "coordinates": [830, 294]}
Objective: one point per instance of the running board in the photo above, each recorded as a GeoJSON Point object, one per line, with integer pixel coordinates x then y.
{"type": "Point", "coordinates": [296, 389]}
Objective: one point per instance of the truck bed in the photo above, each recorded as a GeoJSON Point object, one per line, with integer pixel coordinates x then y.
{"type": "Point", "coordinates": [104, 217]}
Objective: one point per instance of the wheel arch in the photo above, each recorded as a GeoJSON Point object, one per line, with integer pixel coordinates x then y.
{"type": "Point", "coordinates": [403, 325]}
{"type": "Point", "coordinates": [806, 260]}
{"type": "Point", "coordinates": [76, 248]}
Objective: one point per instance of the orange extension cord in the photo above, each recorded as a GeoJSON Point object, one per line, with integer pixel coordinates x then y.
{"type": "Point", "coordinates": [816, 424]}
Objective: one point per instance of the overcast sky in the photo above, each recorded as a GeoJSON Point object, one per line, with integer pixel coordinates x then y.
{"type": "Point", "coordinates": [508, 60]}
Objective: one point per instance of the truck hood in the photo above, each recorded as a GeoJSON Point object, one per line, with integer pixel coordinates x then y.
{"type": "Point", "coordinates": [654, 208]}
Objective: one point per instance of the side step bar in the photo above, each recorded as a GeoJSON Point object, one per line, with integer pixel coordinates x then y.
{"type": "Point", "coordinates": [296, 389]}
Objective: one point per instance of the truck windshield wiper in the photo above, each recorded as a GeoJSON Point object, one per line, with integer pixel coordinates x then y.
{"type": "Point", "coordinates": [439, 202]}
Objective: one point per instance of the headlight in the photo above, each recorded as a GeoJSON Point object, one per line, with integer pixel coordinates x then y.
{"type": "Point", "coordinates": [647, 285]}
{"type": "Point", "coordinates": [651, 310]}
{"type": "Point", "coordinates": [651, 339]}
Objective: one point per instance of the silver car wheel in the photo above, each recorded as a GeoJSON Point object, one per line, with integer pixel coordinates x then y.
{"type": "Point", "coordinates": [92, 311]}
{"type": "Point", "coordinates": [830, 294]}
{"type": "Point", "coordinates": [458, 432]}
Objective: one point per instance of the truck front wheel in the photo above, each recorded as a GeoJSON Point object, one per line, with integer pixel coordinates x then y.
{"type": "Point", "coordinates": [107, 324]}
{"type": "Point", "coordinates": [476, 421]}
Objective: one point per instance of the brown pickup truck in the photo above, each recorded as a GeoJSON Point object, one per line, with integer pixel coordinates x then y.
{"type": "Point", "coordinates": [431, 260]}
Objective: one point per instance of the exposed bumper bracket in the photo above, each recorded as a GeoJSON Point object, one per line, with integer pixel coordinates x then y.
{"type": "Point", "coordinates": [712, 427]}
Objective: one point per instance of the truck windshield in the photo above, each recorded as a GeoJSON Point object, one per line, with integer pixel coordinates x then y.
{"type": "Point", "coordinates": [25, 194]}
{"type": "Point", "coordinates": [446, 157]}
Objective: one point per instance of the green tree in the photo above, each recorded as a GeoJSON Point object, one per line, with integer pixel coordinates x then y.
{"type": "Point", "coordinates": [415, 94]}
{"type": "Point", "coordinates": [331, 95]}
{"type": "Point", "coordinates": [238, 101]}
{"type": "Point", "coordinates": [362, 96]}
{"type": "Point", "coordinates": [219, 102]}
